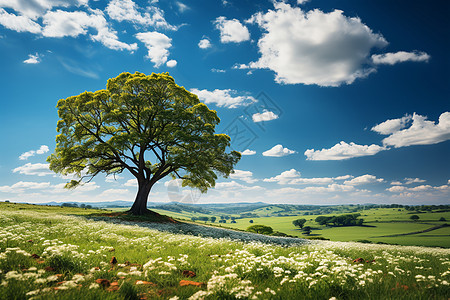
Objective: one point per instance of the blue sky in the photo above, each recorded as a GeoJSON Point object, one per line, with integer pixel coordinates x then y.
{"type": "Point", "coordinates": [332, 102]}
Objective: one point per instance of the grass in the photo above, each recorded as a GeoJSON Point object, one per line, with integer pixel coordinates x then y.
{"type": "Point", "coordinates": [383, 221]}
{"type": "Point", "coordinates": [72, 257]}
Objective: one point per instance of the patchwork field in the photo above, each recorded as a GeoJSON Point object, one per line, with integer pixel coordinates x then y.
{"type": "Point", "coordinates": [58, 253]}
{"type": "Point", "coordinates": [380, 224]}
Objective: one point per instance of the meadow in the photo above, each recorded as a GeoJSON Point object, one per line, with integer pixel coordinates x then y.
{"type": "Point", "coordinates": [383, 225]}
{"type": "Point", "coordinates": [58, 253]}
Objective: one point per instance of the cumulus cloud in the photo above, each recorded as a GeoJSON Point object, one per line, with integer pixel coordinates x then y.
{"type": "Point", "coordinates": [398, 57]}
{"type": "Point", "coordinates": [35, 9]}
{"type": "Point", "coordinates": [43, 149]}
{"type": "Point", "coordinates": [182, 7]}
{"type": "Point", "coordinates": [217, 70]}
{"type": "Point", "coordinates": [285, 177]}
{"type": "Point", "coordinates": [131, 182]}
{"type": "Point", "coordinates": [413, 180]}
{"type": "Point", "coordinates": [158, 45]}
{"type": "Point", "coordinates": [314, 47]}
{"type": "Point", "coordinates": [21, 186]}
{"type": "Point", "coordinates": [421, 132]}
{"type": "Point", "coordinates": [418, 189]}
{"type": "Point", "coordinates": [266, 115]}
{"type": "Point", "coordinates": [248, 152]}
{"type": "Point", "coordinates": [246, 176]}
{"type": "Point", "coordinates": [63, 23]}
{"type": "Point", "coordinates": [33, 169]}
{"type": "Point", "coordinates": [364, 179]}
{"type": "Point", "coordinates": [292, 176]}
{"type": "Point", "coordinates": [204, 43]}
{"type": "Point", "coordinates": [32, 59]}
{"type": "Point", "coordinates": [127, 10]}
{"type": "Point", "coordinates": [171, 63]}
{"type": "Point", "coordinates": [393, 125]}
{"type": "Point", "coordinates": [343, 151]}
{"type": "Point", "coordinates": [231, 31]}
{"type": "Point", "coordinates": [18, 23]}
{"type": "Point", "coordinates": [223, 98]}
{"type": "Point", "coordinates": [233, 185]}
{"type": "Point", "coordinates": [112, 178]}
{"type": "Point", "coordinates": [278, 151]}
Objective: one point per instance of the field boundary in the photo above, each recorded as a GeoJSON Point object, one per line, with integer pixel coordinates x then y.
{"type": "Point", "coordinates": [415, 232]}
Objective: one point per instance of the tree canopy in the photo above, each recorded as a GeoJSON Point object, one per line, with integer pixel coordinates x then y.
{"type": "Point", "coordinates": [146, 125]}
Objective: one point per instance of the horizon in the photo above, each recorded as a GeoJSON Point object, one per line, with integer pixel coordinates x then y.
{"type": "Point", "coordinates": [357, 112]}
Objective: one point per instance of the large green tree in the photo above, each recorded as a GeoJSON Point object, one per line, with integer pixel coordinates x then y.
{"type": "Point", "coordinates": [146, 125]}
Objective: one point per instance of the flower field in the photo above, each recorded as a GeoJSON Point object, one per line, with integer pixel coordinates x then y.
{"type": "Point", "coordinates": [49, 255]}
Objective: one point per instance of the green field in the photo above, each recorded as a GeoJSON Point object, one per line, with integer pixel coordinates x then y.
{"type": "Point", "coordinates": [381, 222]}
{"type": "Point", "coordinates": [61, 253]}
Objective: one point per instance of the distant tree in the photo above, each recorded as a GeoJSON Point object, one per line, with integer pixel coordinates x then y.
{"type": "Point", "coordinates": [222, 221]}
{"type": "Point", "coordinates": [213, 219]}
{"type": "Point", "coordinates": [307, 230]}
{"type": "Point", "coordinates": [233, 221]}
{"type": "Point", "coordinates": [442, 219]}
{"type": "Point", "coordinates": [88, 206]}
{"type": "Point", "coordinates": [251, 221]}
{"type": "Point", "coordinates": [146, 125]}
{"type": "Point", "coordinates": [414, 217]}
{"type": "Point", "coordinates": [299, 222]}
{"type": "Point", "coordinates": [263, 229]}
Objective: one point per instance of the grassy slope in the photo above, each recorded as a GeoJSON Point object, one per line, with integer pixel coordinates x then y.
{"type": "Point", "coordinates": [318, 271]}
{"type": "Point", "coordinates": [387, 221]}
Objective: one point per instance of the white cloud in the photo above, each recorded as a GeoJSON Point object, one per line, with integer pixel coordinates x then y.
{"type": "Point", "coordinates": [18, 23]}
{"type": "Point", "coordinates": [34, 169]}
{"type": "Point", "coordinates": [182, 7]}
{"type": "Point", "coordinates": [364, 179]}
{"type": "Point", "coordinates": [157, 44]}
{"type": "Point", "coordinates": [114, 192]}
{"type": "Point", "coordinates": [231, 30]}
{"type": "Point", "coordinates": [43, 149]}
{"type": "Point", "coordinates": [315, 181]}
{"type": "Point", "coordinates": [396, 183]}
{"type": "Point", "coordinates": [333, 188]}
{"type": "Point", "coordinates": [413, 180]}
{"type": "Point", "coordinates": [217, 70]}
{"type": "Point", "coordinates": [21, 186]}
{"type": "Point", "coordinates": [112, 178]}
{"type": "Point", "coordinates": [248, 152]}
{"type": "Point", "coordinates": [344, 177]}
{"type": "Point", "coordinates": [127, 10]}
{"type": "Point", "coordinates": [62, 23]}
{"type": "Point", "coordinates": [408, 192]}
{"type": "Point", "coordinates": [421, 132]}
{"type": "Point", "coordinates": [86, 187]}
{"type": "Point", "coordinates": [314, 47]}
{"type": "Point", "coordinates": [223, 98]}
{"type": "Point", "coordinates": [285, 177]}
{"type": "Point", "coordinates": [300, 2]}
{"type": "Point", "coordinates": [393, 125]}
{"type": "Point", "coordinates": [34, 9]}
{"type": "Point", "coordinates": [396, 189]}
{"type": "Point", "coordinates": [204, 43]}
{"type": "Point", "coordinates": [266, 115]}
{"type": "Point", "coordinates": [343, 151]}
{"type": "Point", "coordinates": [233, 185]}
{"type": "Point", "coordinates": [398, 57]}
{"type": "Point", "coordinates": [171, 63]}
{"type": "Point", "coordinates": [278, 151]}
{"type": "Point", "coordinates": [294, 177]}
{"type": "Point", "coordinates": [246, 176]}
{"type": "Point", "coordinates": [131, 182]}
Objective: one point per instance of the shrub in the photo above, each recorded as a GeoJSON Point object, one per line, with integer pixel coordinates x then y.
{"type": "Point", "coordinates": [263, 229]}
{"type": "Point", "coordinates": [414, 217]}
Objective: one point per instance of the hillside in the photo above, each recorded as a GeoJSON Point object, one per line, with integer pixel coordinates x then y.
{"type": "Point", "coordinates": [62, 253]}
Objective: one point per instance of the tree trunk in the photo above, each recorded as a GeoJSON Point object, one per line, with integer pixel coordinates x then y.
{"type": "Point", "coordinates": [140, 203]}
